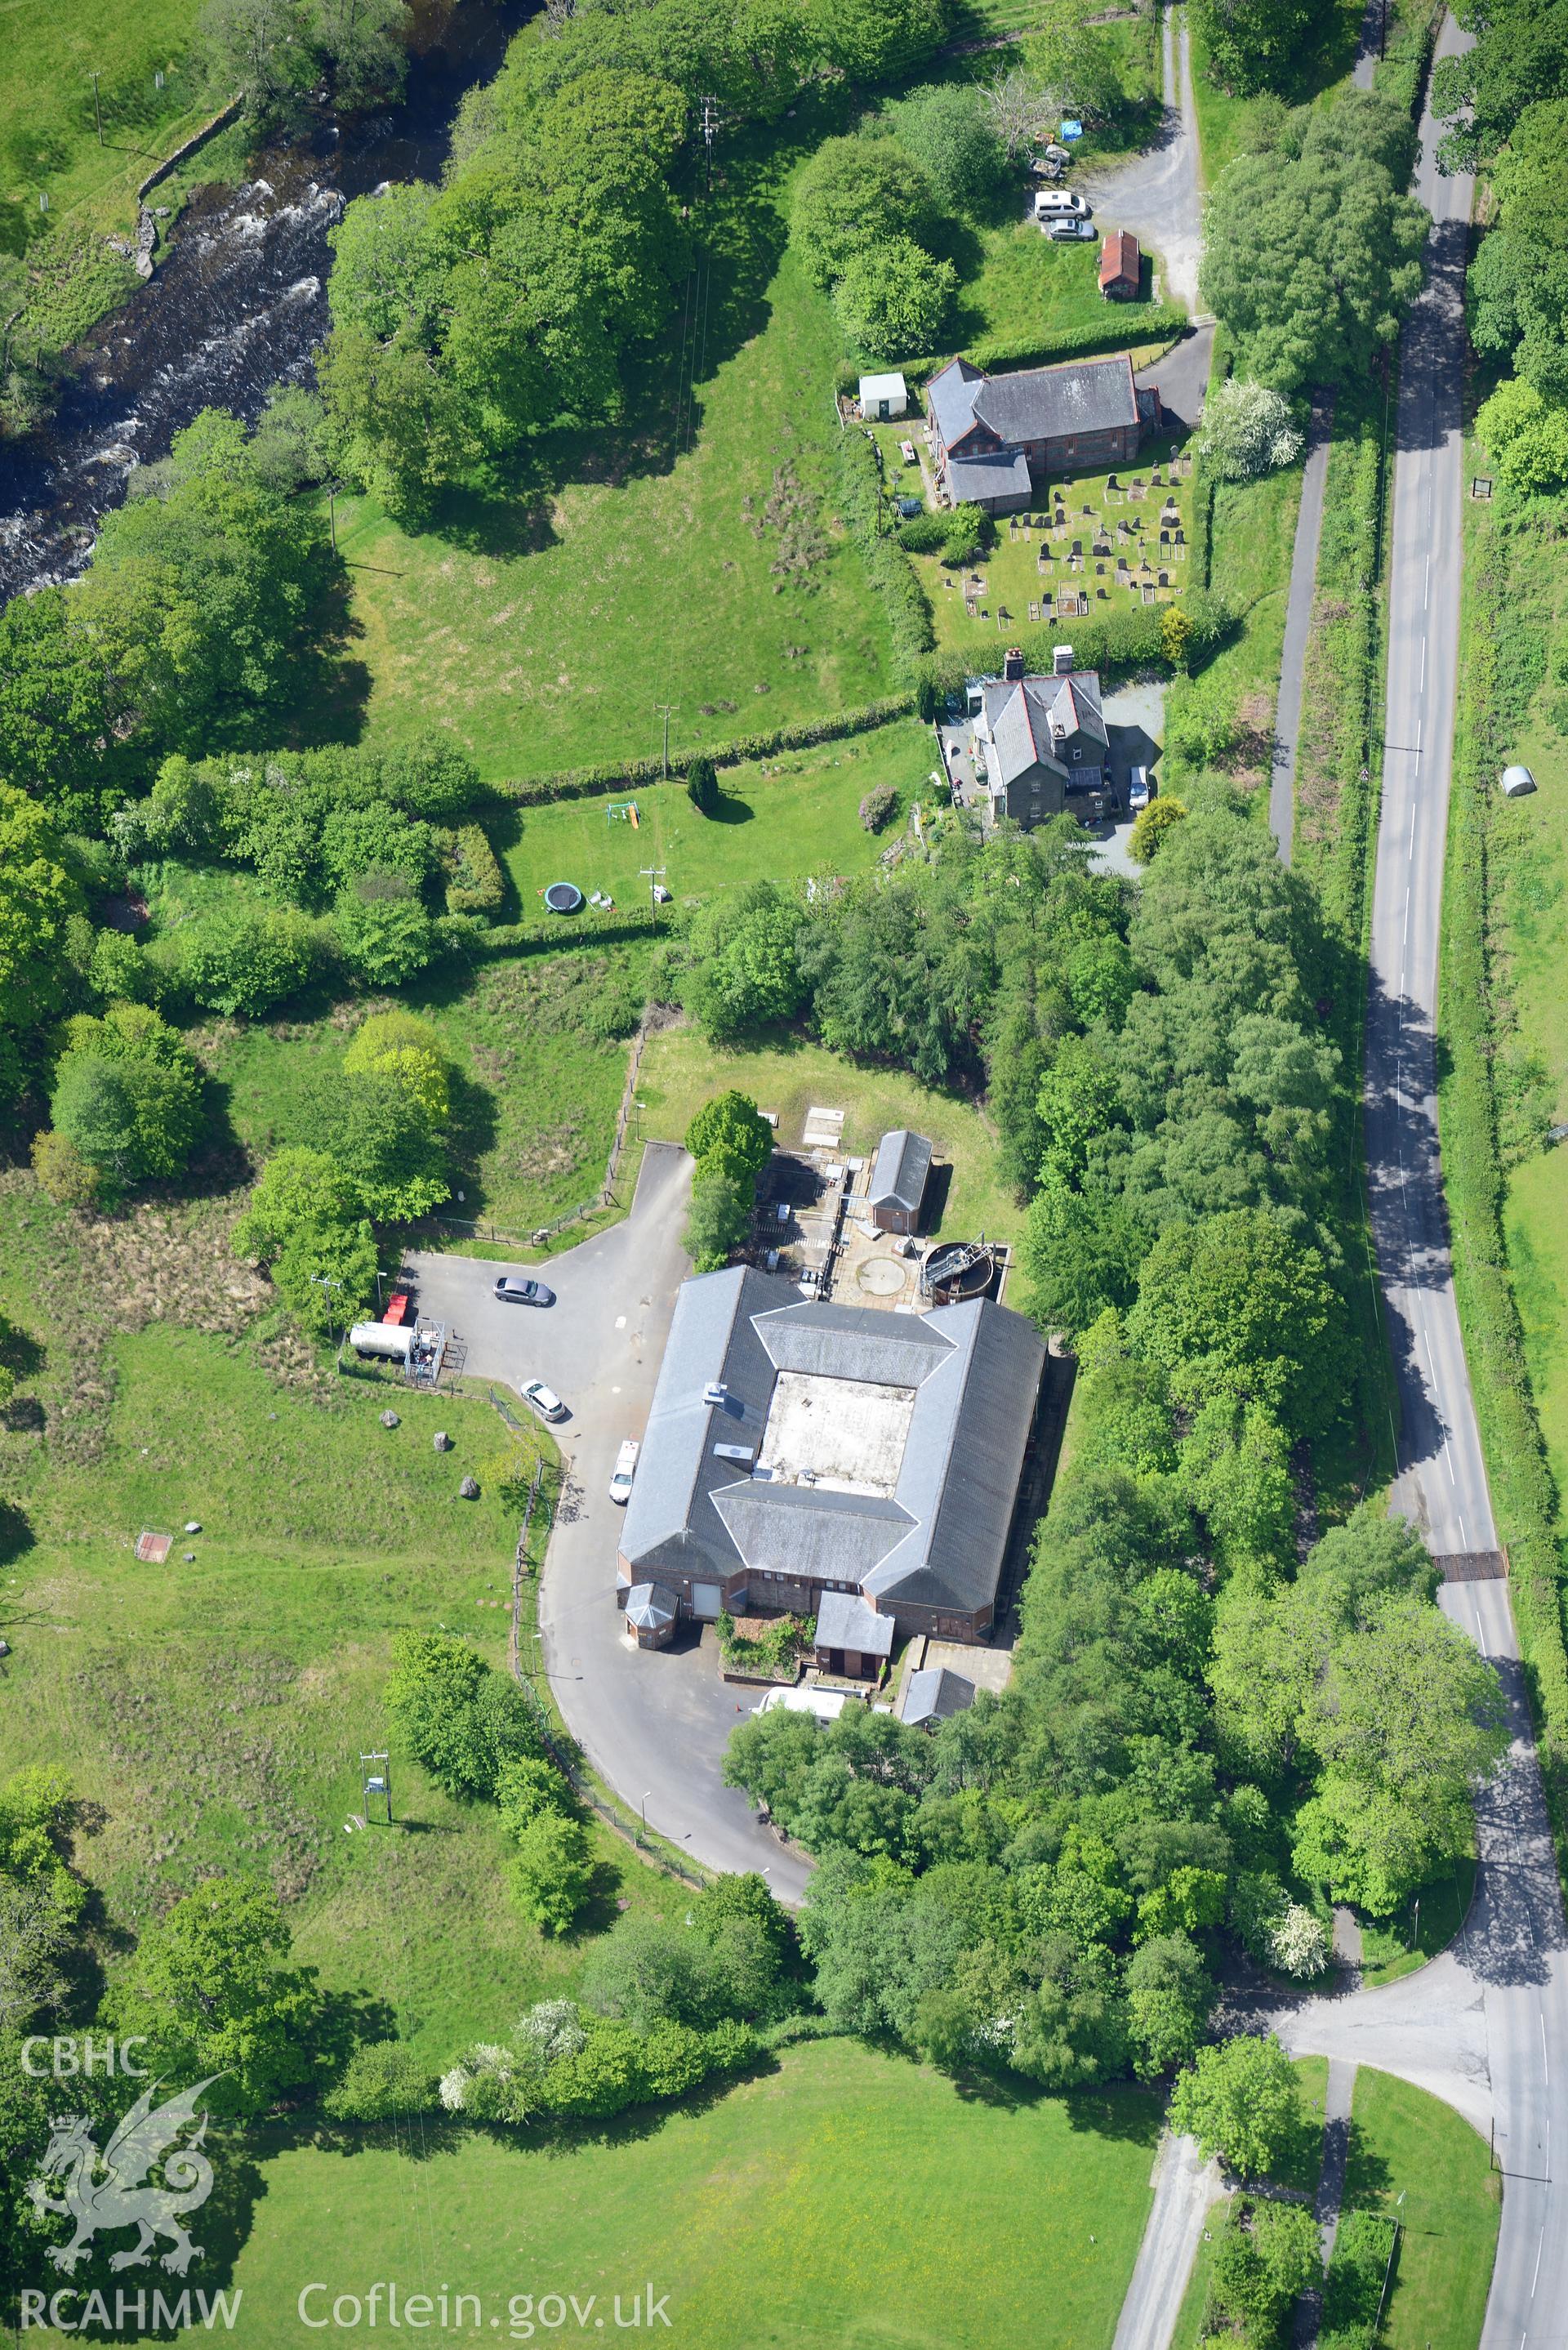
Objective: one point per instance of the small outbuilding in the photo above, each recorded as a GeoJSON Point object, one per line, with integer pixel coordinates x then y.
{"type": "Point", "coordinates": [853, 1641]}
{"type": "Point", "coordinates": [1121, 268]}
{"type": "Point", "coordinates": [1517, 783]}
{"type": "Point", "coordinates": [934, 1695]}
{"type": "Point", "coordinates": [650, 1614]}
{"type": "Point", "coordinates": [883, 396]}
{"type": "Point", "coordinates": [899, 1174]}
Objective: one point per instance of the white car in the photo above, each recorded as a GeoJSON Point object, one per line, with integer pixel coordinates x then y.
{"type": "Point", "coordinates": [544, 1401]}
{"type": "Point", "coordinates": [1140, 789]}
{"type": "Point", "coordinates": [625, 1470]}
{"type": "Point", "coordinates": [1054, 203]}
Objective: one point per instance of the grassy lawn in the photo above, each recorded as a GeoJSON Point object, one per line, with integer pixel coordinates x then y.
{"type": "Point", "coordinates": [1530, 914]}
{"type": "Point", "coordinates": [544, 627]}
{"type": "Point", "coordinates": [1254, 535]}
{"type": "Point", "coordinates": [680, 1070]}
{"type": "Point", "coordinates": [1415, 2158]}
{"type": "Point", "coordinates": [796, 815]}
{"type": "Point", "coordinates": [1422, 1927]}
{"type": "Point", "coordinates": [48, 135]}
{"type": "Point", "coordinates": [1024, 287]}
{"type": "Point", "coordinates": [1007, 586]}
{"type": "Point", "coordinates": [217, 1709]}
{"type": "Point", "coordinates": [537, 1087]}
{"type": "Point", "coordinates": [800, 2196]}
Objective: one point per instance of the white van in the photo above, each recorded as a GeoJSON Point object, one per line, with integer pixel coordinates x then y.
{"type": "Point", "coordinates": [1059, 203]}
{"type": "Point", "coordinates": [625, 1470]}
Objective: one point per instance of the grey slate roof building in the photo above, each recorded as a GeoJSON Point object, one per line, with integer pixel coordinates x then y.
{"type": "Point", "coordinates": [991, 437]}
{"type": "Point", "coordinates": [935, 1694]}
{"type": "Point", "coordinates": [796, 1449]}
{"type": "Point", "coordinates": [900, 1173]}
{"type": "Point", "coordinates": [846, 1624]}
{"type": "Point", "coordinates": [1040, 738]}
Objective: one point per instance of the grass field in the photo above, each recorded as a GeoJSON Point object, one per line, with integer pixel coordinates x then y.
{"type": "Point", "coordinates": [1254, 535]}
{"type": "Point", "coordinates": [1024, 287]}
{"type": "Point", "coordinates": [217, 1710]}
{"type": "Point", "coordinates": [538, 1081]}
{"type": "Point", "coordinates": [1415, 2158]}
{"type": "Point", "coordinates": [790, 2211]}
{"type": "Point", "coordinates": [1530, 918]}
{"type": "Point", "coordinates": [680, 1070]}
{"type": "Point", "coordinates": [545, 627]}
{"type": "Point", "coordinates": [1422, 1925]}
{"type": "Point", "coordinates": [792, 816]}
{"type": "Point", "coordinates": [49, 134]}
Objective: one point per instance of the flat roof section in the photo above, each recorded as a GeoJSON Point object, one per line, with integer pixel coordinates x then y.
{"type": "Point", "coordinates": [846, 1435]}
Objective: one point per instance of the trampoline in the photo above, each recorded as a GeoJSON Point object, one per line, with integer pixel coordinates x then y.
{"type": "Point", "coordinates": [563, 897]}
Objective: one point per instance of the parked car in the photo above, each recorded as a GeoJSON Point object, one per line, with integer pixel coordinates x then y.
{"type": "Point", "coordinates": [516, 1289]}
{"type": "Point", "coordinates": [1068, 232]}
{"type": "Point", "coordinates": [1140, 789]}
{"type": "Point", "coordinates": [1051, 201]}
{"type": "Point", "coordinates": [544, 1401]}
{"type": "Point", "coordinates": [625, 1470]}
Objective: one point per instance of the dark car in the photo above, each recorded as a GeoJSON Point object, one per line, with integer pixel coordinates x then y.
{"type": "Point", "coordinates": [514, 1289]}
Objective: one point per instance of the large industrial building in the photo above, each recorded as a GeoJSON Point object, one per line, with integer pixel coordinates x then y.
{"type": "Point", "coordinates": [797, 1448]}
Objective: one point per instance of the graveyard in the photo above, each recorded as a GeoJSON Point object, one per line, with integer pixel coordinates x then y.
{"type": "Point", "coordinates": [1094, 543]}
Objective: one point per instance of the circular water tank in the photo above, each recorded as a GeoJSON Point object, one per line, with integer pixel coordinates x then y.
{"type": "Point", "coordinates": [563, 897]}
{"type": "Point", "coordinates": [1516, 782]}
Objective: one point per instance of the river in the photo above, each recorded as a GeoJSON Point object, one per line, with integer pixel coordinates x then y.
{"type": "Point", "coordinates": [238, 300]}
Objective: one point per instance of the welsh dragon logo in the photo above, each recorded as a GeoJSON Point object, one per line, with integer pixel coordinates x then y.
{"type": "Point", "coordinates": [110, 2190]}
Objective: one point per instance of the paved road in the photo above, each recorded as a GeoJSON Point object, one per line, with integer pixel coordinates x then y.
{"type": "Point", "coordinates": [1185, 2188]}
{"type": "Point", "coordinates": [655, 1723]}
{"type": "Point", "coordinates": [1486, 2025]}
{"type": "Point", "coordinates": [1157, 193]}
{"type": "Point", "coordinates": [1298, 629]}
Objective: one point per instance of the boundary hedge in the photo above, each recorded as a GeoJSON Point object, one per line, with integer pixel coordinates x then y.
{"type": "Point", "coordinates": [889, 571]}
{"type": "Point", "coordinates": [585, 783]}
{"type": "Point", "coordinates": [1520, 1474]}
{"type": "Point", "coordinates": [1121, 329]}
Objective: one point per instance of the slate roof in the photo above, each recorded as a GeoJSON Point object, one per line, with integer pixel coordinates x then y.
{"type": "Point", "coordinates": [900, 1171]}
{"type": "Point", "coordinates": [950, 398]}
{"type": "Point", "coordinates": [1022, 714]}
{"type": "Point", "coordinates": [1054, 403]}
{"type": "Point", "coordinates": [935, 1694]}
{"type": "Point", "coordinates": [938, 1541]}
{"type": "Point", "coordinates": [843, 1621]}
{"type": "Point", "coordinates": [649, 1607]}
{"type": "Point", "coordinates": [972, 480]}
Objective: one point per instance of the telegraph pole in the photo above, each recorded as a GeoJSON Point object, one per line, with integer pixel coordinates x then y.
{"type": "Point", "coordinates": [667, 707]}
{"type": "Point", "coordinates": [709, 124]}
{"type": "Point", "coordinates": [653, 875]}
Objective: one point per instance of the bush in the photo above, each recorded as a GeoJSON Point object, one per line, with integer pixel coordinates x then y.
{"type": "Point", "coordinates": [1153, 823]}
{"type": "Point", "coordinates": [969, 532]}
{"type": "Point", "coordinates": [924, 534]}
{"type": "Point", "coordinates": [64, 1175]}
{"type": "Point", "coordinates": [878, 806]}
{"type": "Point", "coordinates": [242, 957]}
{"type": "Point", "coordinates": [894, 297]}
{"type": "Point", "coordinates": [382, 930]}
{"type": "Point", "coordinates": [475, 883]}
{"type": "Point", "coordinates": [552, 1872]}
{"type": "Point", "coordinates": [1248, 429]}
{"type": "Point", "coordinates": [887, 568]}
{"type": "Point", "coordinates": [127, 1094]}
{"type": "Point", "coordinates": [383, 2081]}
{"type": "Point", "coordinates": [703, 785]}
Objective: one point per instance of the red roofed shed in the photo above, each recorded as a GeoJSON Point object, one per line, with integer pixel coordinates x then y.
{"type": "Point", "coordinates": [1121, 266]}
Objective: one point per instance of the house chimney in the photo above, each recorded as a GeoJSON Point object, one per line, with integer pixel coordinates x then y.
{"type": "Point", "coordinates": [1062, 660]}
{"type": "Point", "coordinates": [1012, 663]}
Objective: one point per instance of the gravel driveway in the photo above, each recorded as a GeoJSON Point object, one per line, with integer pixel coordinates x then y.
{"type": "Point", "coordinates": [654, 1725]}
{"type": "Point", "coordinates": [1157, 193]}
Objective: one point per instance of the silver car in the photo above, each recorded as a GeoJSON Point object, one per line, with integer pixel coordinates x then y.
{"type": "Point", "coordinates": [544, 1401]}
